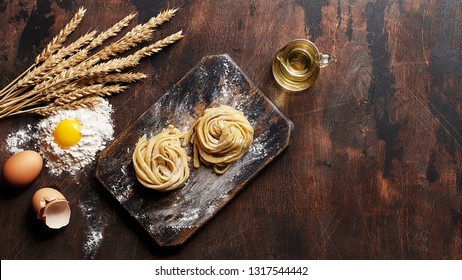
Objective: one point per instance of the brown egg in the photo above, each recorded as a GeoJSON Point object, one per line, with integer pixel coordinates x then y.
{"type": "Point", "coordinates": [51, 207]}
{"type": "Point", "coordinates": [22, 168]}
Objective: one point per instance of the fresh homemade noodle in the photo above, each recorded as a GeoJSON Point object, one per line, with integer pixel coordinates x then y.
{"type": "Point", "coordinates": [220, 137]}
{"type": "Point", "coordinates": [161, 163]}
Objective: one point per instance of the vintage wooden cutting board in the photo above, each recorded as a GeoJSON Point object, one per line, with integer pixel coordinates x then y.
{"type": "Point", "coordinates": [171, 218]}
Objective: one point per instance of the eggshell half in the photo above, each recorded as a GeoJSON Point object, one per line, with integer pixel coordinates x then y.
{"type": "Point", "coordinates": [22, 168]}
{"type": "Point", "coordinates": [51, 207]}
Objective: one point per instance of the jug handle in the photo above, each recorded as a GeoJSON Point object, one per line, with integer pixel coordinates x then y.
{"type": "Point", "coordinates": [326, 59]}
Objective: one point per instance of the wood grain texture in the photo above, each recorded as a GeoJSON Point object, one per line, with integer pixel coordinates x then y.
{"type": "Point", "coordinates": [374, 168]}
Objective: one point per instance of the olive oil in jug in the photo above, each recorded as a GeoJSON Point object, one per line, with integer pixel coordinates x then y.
{"type": "Point", "coordinates": [296, 66]}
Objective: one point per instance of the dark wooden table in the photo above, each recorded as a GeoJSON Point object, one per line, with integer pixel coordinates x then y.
{"type": "Point", "coordinates": [374, 168]}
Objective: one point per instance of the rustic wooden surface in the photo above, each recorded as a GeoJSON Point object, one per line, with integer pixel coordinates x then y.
{"type": "Point", "coordinates": [374, 169]}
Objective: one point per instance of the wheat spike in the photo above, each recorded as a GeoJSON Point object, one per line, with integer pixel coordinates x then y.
{"type": "Point", "coordinates": [115, 65]}
{"type": "Point", "coordinates": [118, 64]}
{"type": "Point", "coordinates": [50, 49]}
{"type": "Point", "coordinates": [157, 46]}
{"type": "Point", "coordinates": [77, 45]}
{"type": "Point", "coordinates": [66, 75]}
{"type": "Point", "coordinates": [38, 74]}
{"type": "Point", "coordinates": [93, 90]}
{"type": "Point", "coordinates": [111, 32]}
{"type": "Point", "coordinates": [68, 63]}
{"type": "Point", "coordinates": [59, 39]}
{"type": "Point", "coordinates": [49, 95]}
{"type": "Point", "coordinates": [52, 109]}
{"type": "Point", "coordinates": [125, 78]}
{"type": "Point", "coordinates": [138, 34]}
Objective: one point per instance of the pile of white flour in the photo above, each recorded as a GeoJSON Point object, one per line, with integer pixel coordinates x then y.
{"type": "Point", "coordinates": [97, 130]}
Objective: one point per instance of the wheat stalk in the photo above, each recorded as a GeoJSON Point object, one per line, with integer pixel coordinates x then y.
{"type": "Point", "coordinates": [138, 34]}
{"type": "Point", "coordinates": [93, 90]}
{"type": "Point", "coordinates": [53, 109]}
{"type": "Point", "coordinates": [53, 94]}
{"type": "Point", "coordinates": [37, 75]}
{"type": "Point", "coordinates": [114, 65]}
{"type": "Point", "coordinates": [111, 32]}
{"type": "Point", "coordinates": [157, 46]}
{"type": "Point", "coordinates": [115, 78]}
{"type": "Point", "coordinates": [69, 77]}
{"type": "Point", "coordinates": [118, 64]}
{"type": "Point", "coordinates": [56, 42]}
{"type": "Point", "coordinates": [53, 46]}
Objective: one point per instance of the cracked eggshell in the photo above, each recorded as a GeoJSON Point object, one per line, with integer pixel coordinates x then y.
{"type": "Point", "coordinates": [51, 207]}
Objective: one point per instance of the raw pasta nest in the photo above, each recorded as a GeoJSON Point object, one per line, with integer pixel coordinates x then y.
{"type": "Point", "coordinates": [160, 162]}
{"type": "Point", "coordinates": [220, 137]}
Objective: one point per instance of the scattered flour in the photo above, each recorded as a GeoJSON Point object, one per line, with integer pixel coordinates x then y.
{"type": "Point", "coordinates": [19, 140]}
{"type": "Point", "coordinates": [96, 226]}
{"type": "Point", "coordinates": [123, 188]}
{"type": "Point", "coordinates": [97, 130]}
{"type": "Point", "coordinates": [258, 149]}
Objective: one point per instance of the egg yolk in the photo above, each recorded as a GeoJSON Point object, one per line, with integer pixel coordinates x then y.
{"type": "Point", "coordinates": [67, 133]}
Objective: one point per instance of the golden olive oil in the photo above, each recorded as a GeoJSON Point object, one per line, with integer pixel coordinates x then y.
{"type": "Point", "coordinates": [296, 66]}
